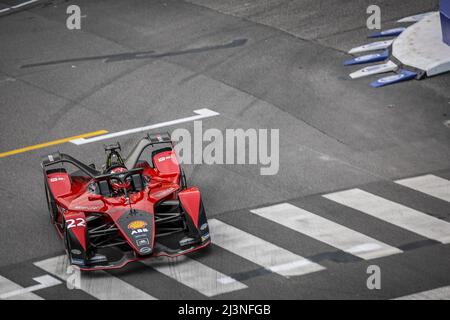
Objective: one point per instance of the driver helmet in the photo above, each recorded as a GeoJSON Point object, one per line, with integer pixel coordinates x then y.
{"type": "Point", "coordinates": [116, 184]}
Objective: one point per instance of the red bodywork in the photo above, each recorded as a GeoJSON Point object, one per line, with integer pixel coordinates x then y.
{"type": "Point", "coordinates": [158, 215]}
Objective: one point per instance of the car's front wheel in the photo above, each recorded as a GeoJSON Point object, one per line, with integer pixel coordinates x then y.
{"type": "Point", "coordinates": [52, 209]}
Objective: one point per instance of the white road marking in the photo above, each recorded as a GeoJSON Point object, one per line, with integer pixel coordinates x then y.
{"type": "Point", "coordinates": [430, 184]}
{"type": "Point", "coordinates": [195, 275]}
{"type": "Point", "coordinates": [394, 213]}
{"type": "Point", "coordinates": [226, 280]}
{"type": "Point", "coordinates": [4, 10]}
{"type": "Point", "coordinates": [259, 251]}
{"type": "Point", "coordinates": [442, 293]}
{"type": "Point", "coordinates": [326, 231]}
{"type": "Point", "coordinates": [24, 4]}
{"type": "Point", "coordinates": [98, 284]}
{"type": "Point", "coordinates": [201, 114]}
{"type": "Point", "coordinates": [44, 282]}
{"type": "Point", "coordinates": [7, 287]}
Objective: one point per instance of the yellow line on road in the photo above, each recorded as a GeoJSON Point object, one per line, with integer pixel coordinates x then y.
{"type": "Point", "coordinates": [52, 143]}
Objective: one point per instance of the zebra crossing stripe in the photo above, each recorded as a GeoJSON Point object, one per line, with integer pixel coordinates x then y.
{"type": "Point", "coordinates": [195, 275]}
{"type": "Point", "coordinates": [326, 231]}
{"type": "Point", "coordinates": [442, 293]}
{"type": "Point", "coordinates": [7, 286]}
{"type": "Point", "coordinates": [45, 281]}
{"type": "Point", "coordinates": [259, 251]}
{"type": "Point", "coordinates": [394, 213]}
{"type": "Point", "coordinates": [430, 184]}
{"type": "Point", "coordinates": [99, 284]}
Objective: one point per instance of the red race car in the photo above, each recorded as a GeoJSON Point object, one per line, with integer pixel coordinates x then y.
{"type": "Point", "coordinates": [132, 209]}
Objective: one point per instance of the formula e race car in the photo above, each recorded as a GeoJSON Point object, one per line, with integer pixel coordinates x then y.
{"type": "Point", "coordinates": [129, 210]}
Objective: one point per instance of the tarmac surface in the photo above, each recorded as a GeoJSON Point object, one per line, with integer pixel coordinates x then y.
{"type": "Point", "coordinates": [259, 64]}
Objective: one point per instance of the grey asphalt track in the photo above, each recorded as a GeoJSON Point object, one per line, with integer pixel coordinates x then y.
{"type": "Point", "coordinates": [138, 62]}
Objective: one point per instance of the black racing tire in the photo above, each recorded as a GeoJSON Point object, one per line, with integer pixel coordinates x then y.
{"type": "Point", "coordinates": [52, 209]}
{"type": "Point", "coordinates": [66, 242]}
{"type": "Point", "coordinates": [64, 233]}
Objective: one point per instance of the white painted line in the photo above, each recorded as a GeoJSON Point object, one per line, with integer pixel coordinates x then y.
{"type": "Point", "coordinates": [24, 4]}
{"type": "Point", "coordinates": [4, 10]}
{"type": "Point", "coordinates": [442, 293]}
{"type": "Point", "coordinates": [226, 280]}
{"type": "Point", "coordinates": [98, 284]}
{"type": "Point", "coordinates": [44, 282]}
{"type": "Point", "coordinates": [7, 286]}
{"type": "Point", "coordinates": [378, 45]}
{"type": "Point", "coordinates": [430, 184]}
{"type": "Point", "coordinates": [374, 69]}
{"type": "Point", "coordinates": [326, 231]}
{"type": "Point", "coordinates": [416, 17]}
{"type": "Point", "coordinates": [259, 251]}
{"type": "Point", "coordinates": [201, 114]}
{"type": "Point", "coordinates": [394, 213]}
{"type": "Point", "coordinates": [195, 275]}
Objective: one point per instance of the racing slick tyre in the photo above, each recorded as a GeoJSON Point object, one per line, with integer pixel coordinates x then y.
{"type": "Point", "coordinates": [53, 211]}
{"type": "Point", "coordinates": [66, 238]}
{"type": "Point", "coordinates": [66, 243]}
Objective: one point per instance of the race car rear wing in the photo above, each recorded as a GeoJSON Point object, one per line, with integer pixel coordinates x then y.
{"type": "Point", "coordinates": [159, 138]}
{"type": "Point", "coordinates": [158, 142]}
{"type": "Point", "coordinates": [58, 157]}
